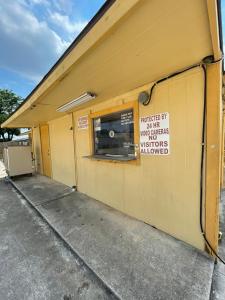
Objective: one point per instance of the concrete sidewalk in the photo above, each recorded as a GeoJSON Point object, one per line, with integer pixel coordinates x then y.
{"type": "Point", "coordinates": [34, 263]}
{"type": "Point", "coordinates": [135, 260]}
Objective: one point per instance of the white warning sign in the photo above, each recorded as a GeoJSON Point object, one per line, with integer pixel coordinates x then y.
{"type": "Point", "coordinates": [154, 134]}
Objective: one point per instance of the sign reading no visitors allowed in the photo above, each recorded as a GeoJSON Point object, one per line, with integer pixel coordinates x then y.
{"type": "Point", "coordinates": [154, 134]}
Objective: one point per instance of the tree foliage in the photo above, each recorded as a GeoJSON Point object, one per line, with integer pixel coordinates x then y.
{"type": "Point", "coordinates": [9, 101]}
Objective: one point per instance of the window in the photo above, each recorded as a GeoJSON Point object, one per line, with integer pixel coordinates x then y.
{"type": "Point", "coordinates": [113, 135]}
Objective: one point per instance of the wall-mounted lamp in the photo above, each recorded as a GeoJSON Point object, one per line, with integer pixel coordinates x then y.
{"type": "Point", "coordinates": [78, 101]}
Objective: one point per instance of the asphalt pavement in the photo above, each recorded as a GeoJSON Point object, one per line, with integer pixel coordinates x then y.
{"type": "Point", "coordinates": [34, 263]}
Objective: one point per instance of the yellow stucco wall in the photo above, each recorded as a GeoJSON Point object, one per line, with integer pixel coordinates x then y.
{"type": "Point", "coordinates": [36, 147]}
{"type": "Point", "coordinates": [162, 190]}
{"type": "Point", "coordinates": [62, 150]}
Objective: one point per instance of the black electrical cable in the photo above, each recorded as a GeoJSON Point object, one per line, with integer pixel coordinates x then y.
{"type": "Point", "coordinates": [165, 78]}
{"type": "Point", "coordinates": [206, 61]}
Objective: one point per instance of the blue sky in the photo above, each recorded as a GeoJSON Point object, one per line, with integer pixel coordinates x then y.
{"type": "Point", "coordinates": [35, 33]}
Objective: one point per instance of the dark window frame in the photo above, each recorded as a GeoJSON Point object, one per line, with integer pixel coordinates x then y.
{"type": "Point", "coordinates": [117, 109]}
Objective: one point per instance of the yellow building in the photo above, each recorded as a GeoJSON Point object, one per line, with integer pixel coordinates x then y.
{"type": "Point", "coordinates": [131, 114]}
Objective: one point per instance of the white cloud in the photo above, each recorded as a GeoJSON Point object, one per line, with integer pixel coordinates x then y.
{"type": "Point", "coordinates": [63, 6]}
{"type": "Point", "coordinates": [29, 3]}
{"type": "Point", "coordinates": [63, 21]}
{"type": "Point", "coordinates": [28, 46]}
{"type": "Point", "coordinates": [38, 2]}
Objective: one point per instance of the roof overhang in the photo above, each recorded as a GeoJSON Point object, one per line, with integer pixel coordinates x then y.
{"type": "Point", "coordinates": [129, 43]}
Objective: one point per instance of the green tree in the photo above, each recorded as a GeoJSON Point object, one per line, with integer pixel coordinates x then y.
{"type": "Point", "coordinates": [9, 101]}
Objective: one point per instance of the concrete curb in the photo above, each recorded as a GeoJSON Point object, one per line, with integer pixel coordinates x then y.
{"type": "Point", "coordinates": [70, 247]}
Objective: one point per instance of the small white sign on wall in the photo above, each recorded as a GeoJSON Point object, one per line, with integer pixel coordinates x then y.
{"type": "Point", "coordinates": [154, 134]}
{"type": "Point", "coordinates": [82, 122]}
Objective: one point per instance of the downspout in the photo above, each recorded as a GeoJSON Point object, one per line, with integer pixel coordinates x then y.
{"type": "Point", "coordinates": [219, 9]}
{"type": "Point", "coordinates": [74, 152]}
{"type": "Point", "coordinates": [214, 14]}
{"type": "Point", "coordinates": [213, 140]}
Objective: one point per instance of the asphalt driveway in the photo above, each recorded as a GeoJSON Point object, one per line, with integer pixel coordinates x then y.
{"type": "Point", "coordinates": [34, 263]}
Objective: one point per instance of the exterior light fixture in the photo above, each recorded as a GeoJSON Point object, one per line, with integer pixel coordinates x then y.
{"type": "Point", "coordinates": [78, 101]}
{"type": "Point", "coordinates": [143, 97]}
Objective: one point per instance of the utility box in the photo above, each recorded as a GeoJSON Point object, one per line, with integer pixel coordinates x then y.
{"type": "Point", "coordinates": [18, 160]}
